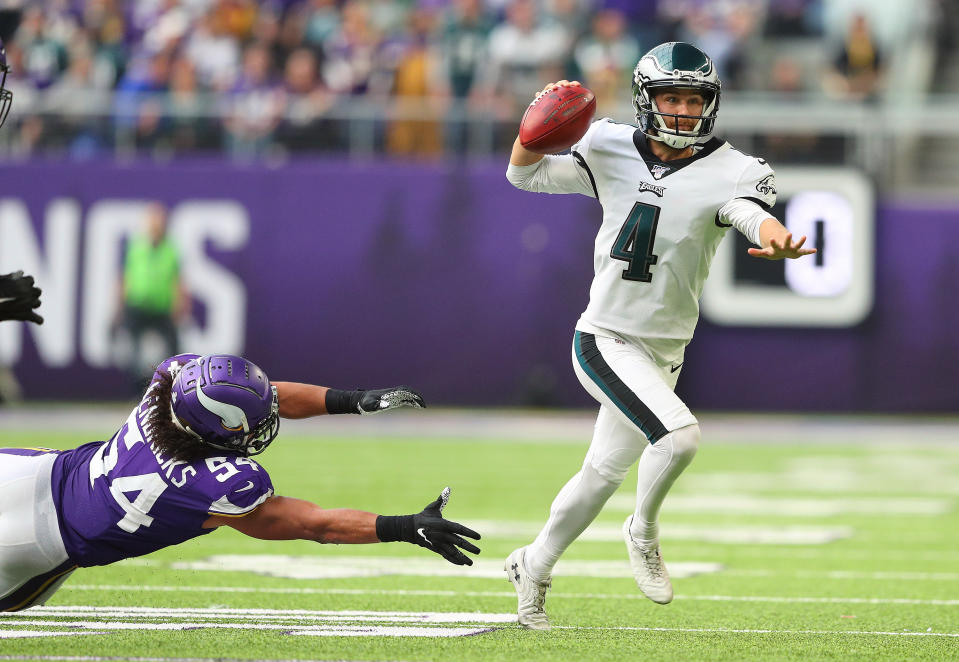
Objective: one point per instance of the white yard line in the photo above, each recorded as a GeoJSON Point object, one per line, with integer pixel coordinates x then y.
{"type": "Point", "coordinates": [36, 634]}
{"type": "Point", "coordinates": [763, 631]}
{"type": "Point", "coordinates": [57, 621]}
{"type": "Point", "coordinates": [104, 627]}
{"type": "Point", "coordinates": [338, 567]}
{"type": "Point", "coordinates": [786, 551]}
{"type": "Point", "coordinates": [811, 506]}
{"type": "Point", "coordinates": [493, 594]}
{"type": "Point", "coordinates": [118, 658]}
{"type": "Point", "coordinates": [830, 553]}
{"type": "Point", "coordinates": [849, 574]}
{"type": "Point", "coordinates": [386, 631]}
{"type": "Point", "coordinates": [887, 474]}
{"type": "Point", "coordinates": [727, 534]}
{"type": "Point", "coordinates": [297, 615]}
{"type": "Point", "coordinates": [63, 620]}
{"type": "Point", "coordinates": [817, 600]}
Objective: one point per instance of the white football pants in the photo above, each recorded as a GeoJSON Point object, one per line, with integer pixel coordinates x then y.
{"type": "Point", "coordinates": [33, 561]}
{"type": "Point", "coordinates": [640, 417]}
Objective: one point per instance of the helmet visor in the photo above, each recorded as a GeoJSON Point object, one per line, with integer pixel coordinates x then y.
{"type": "Point", "coordinates": [263, 434]}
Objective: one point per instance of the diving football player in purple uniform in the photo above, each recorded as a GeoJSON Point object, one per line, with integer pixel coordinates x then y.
{"type": "Point", "coordinates": [178, 468]}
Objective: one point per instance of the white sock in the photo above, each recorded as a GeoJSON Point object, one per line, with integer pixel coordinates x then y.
{"type": "Point", "coordinates": [576, 505]}
{"type": "Point", "coordinates": [659, 467]}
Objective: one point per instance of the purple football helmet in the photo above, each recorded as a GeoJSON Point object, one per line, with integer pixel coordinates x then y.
{"type": "Point", "coordinates": [226, 402]}
{"type": "Point", "coordinates": [6, 96]}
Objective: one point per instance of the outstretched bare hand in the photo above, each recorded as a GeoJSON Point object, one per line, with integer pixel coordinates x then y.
{"type": "Point", "coordinates": [786, 249]}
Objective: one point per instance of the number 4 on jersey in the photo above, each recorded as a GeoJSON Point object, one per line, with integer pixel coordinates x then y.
{"type": "Point", "coordinates": [635, 242]}
{"type": "Point", "coordinates": [149, 488]}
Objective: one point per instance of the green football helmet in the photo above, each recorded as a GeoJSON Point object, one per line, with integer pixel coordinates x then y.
{"type": "Point", "coordinates": [675, 64]}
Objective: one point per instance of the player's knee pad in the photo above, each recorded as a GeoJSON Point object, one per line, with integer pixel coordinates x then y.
{"type": "Point", "coordinates": [684, 443]}
{"type": "Point", "coordinates": [599, 483]}
{"type": "Point", "coordinates": [612, 467]}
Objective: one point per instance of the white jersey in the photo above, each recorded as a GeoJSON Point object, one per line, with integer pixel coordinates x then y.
{"type": "Point", "coordinates": [662, 223]}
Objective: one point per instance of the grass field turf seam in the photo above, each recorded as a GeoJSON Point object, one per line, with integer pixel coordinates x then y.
{"type": "Point", "coordinates": [885, 593]}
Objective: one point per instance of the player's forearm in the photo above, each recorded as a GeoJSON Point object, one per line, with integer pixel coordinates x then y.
{"type": "Point", "coordinates": [286, 518]}
{"type": "Point", "coordinates": [342, 526]}
{"type": "Point", "coordinates": [304, 400]}
{"type": "Point", "coordinates": [521, 156]}
{"type": "Point", "coordinates": [301, 400]}
{"type": "Point", "coordinates": [772, 229]}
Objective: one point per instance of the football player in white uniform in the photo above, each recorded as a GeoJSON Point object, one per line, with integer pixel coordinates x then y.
{"type": "Point", "coordinates": [669, 193]}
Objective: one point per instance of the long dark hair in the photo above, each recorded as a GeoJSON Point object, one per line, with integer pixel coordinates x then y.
{"type": "Point", "coordinates": [166, 436]}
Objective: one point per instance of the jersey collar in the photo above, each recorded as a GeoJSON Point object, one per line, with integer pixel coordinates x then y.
{"type": "Point", "coordinates": [660, 168]}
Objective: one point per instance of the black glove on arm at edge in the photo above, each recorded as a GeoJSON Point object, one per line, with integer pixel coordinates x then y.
{"type": "Point", "coordinates": [18, 298]}
{"type": "Point", "coordinates": [372, 401]}
{"type": "Point", "coordinates": [430, 530]}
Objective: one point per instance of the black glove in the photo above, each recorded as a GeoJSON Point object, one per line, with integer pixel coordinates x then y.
{"type": "Point", "coordinates": [372, 402]}
{"type": "Point", "coordinates": [18, 298]}
{"type": "Point", "coordinates": [428, 529]}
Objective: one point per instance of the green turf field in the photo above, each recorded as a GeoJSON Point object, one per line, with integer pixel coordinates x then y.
{"type": "Point", "coordinates": [792, 551]}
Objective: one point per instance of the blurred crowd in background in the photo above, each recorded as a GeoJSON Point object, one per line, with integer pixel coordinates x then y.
{"type": "Point", "coordinates": [413, 78]}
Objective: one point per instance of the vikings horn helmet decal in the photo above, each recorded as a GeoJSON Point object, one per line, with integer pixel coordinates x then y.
{"type": "Point", "coordinates": [675, 65]}
{"type": "Point", "coordinates": [226, 402]}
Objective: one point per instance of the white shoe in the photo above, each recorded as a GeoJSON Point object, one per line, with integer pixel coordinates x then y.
{"type": "Point", "coordinates": [531, 593]}
{"type": "Point", "coordinates": [649, 570]}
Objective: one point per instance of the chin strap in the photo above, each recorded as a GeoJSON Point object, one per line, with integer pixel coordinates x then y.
{"type": "Point", "coordinates": [176, 422]}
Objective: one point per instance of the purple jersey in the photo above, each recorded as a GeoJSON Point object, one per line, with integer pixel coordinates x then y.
{"type": "Point", "coordinates": [124, 498]}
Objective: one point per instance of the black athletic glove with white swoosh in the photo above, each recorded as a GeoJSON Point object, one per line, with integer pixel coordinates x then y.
{"type": "Point", "coordinates": [19, 297]}
{"type": "Point", "coordinates": [430, 530]}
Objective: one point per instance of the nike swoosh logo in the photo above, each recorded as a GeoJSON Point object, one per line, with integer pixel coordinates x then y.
{"type": "Point", "coordinates": [248, 486]}
{"type": "Point", "coordinates": [5, 299]}
{"type": "Point", "coordinates": [675, 367]}
{"type": "Point", "coordinates": [422, 535]}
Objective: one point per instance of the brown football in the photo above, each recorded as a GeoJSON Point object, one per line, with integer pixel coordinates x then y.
{"type": "Point", "coordinates": [556, 120]}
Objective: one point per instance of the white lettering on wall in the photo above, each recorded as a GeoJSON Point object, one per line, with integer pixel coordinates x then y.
{"type": "Point", "coordinates": [55, 263]}
{"type": "Point", "coordinates": [54, 266]}
{"type": "Point", "coordinates": [110, 223]}
{"type": "Point", "coordinates": [226, 225]}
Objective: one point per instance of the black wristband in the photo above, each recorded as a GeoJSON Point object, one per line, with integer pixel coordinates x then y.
{"type": "Point", "coordinates": [390, 528]}
{"type": "Point", "coordinates": [342, 402]}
